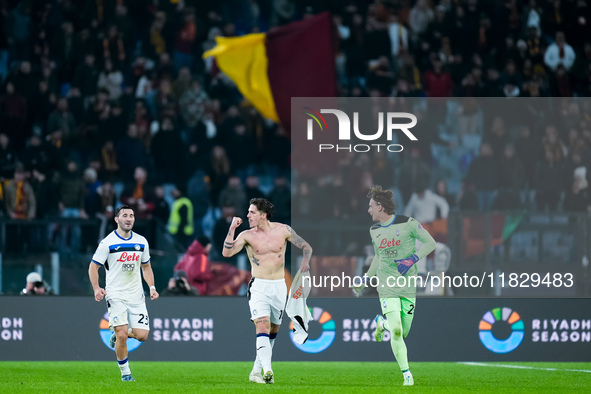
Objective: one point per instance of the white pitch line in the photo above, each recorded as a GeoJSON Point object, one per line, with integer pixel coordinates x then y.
{"type": "Point", "coordinates": [523, 367]}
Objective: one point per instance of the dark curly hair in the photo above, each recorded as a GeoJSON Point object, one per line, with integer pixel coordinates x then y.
{"type": "Point", "coordinates": [121, 208]}
{"type": "Point", "coordinates": [383, 198]}
{"type": "Point", "coordinates": [264, 206]}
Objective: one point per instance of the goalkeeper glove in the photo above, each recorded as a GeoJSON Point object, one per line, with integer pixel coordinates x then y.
{"type": "Point", "coordinates": [405, 264]}
{"type": "Point", "coordinates": [358, 289]}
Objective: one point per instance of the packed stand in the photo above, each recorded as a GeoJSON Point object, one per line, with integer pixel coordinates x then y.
{"type": "Point", "coordinates": [110, 101]}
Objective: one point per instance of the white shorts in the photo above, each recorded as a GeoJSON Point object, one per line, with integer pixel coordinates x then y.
{"type": "Point", "coordinates": [133, 314]}
{"type": "Point", "coordinates": [266, 297]}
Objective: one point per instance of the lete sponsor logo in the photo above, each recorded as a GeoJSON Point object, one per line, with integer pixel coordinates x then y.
{"type": "Point", "coordinates": [128, 257]}
{"type": "Point", "coordinates": [388, 244]}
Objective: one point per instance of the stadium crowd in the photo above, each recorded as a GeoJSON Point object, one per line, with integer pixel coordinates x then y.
{"type": "Point", "coordinates": [104, 101]}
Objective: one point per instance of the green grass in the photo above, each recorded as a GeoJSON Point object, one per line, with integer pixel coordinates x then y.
{"type": "Point", "coordinates": [290, 377]}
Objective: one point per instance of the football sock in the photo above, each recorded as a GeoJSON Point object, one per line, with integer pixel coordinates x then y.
{"type": "Point", "coordinates": [124, 367]}
{"type": "Point", "coordinates": [406, 323]}
{"type": "Point", "coordinates": [257, 362]}
{"type": "Point", "coordinates": [396, 341]}
{"type": "Point", "coordinates": [264, 351]}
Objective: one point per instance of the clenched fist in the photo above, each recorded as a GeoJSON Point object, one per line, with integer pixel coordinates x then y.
{"type": "Point", "coordinates": [236, 222]}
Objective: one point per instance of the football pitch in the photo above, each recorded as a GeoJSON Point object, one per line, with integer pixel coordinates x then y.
{"type": "Point", "coordinates": [306, 377]}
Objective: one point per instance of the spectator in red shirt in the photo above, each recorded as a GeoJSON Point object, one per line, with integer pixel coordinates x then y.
{"type": "Point", "coordinates": [438, 82]}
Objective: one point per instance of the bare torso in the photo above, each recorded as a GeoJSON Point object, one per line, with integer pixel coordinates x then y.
{"type": "Point", "coordinates": [266, 250]}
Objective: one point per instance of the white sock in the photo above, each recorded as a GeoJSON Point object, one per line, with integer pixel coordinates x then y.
{"type": "Point", "coordinates": [385, 325]}
{"type": "Point", "coordinates": [124, 367]}
{"type": "Point", "coordinates": [264, 351]}
{"type": "Point", "coordinates": [257, 362]}
{"type": "Point", "coordinates": [406, 373]}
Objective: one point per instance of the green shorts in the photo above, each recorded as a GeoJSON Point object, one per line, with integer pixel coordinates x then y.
{"type": "Point", "coordinates": [403, 305]}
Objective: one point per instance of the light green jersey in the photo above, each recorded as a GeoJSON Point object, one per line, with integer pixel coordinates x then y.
{"type": "Point", "coordinates": [395, 240]}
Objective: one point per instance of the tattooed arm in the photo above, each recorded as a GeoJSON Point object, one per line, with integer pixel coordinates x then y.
{"type": "Point", "coordinates": [298, 241]}
{"type": "Point", "coordinates": [231, 246]}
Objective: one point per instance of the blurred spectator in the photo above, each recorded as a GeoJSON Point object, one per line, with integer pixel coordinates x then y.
{"type": "Point", "coordinates": [62, 51]}
{"type": "Point", "coordinates": [184, 44]}
{"type": "Point", "coordinates": [180, 222]}
{"type": "Point", "coordinates": [438, 83]}
{"type": "Point", "coordinates": [280, 197]}
{"type": "Point", "coordinates": [468, 199]}
{"type": "Point", "coordinates": [129, 154]}
{"type": "Point", "coordinates": [483, 173]}
{"type": "Point", "coordinates": [154, 42]}
{"type": "Point", "coordinates": [252, 188]}
{"type": "Point", "coordinates": [19, 197]}
{"type": "Point", "coordinates": [142, 120]}
{"type": "Point", "coordinates": [414, 174]}
{"type": "Point", "coordinates": [61, 119]}
{"type": "Point", "coordinates": [13, 115]}
{"type": "Point", "coordinates": [528, 150]}
{"type": "Point", "coordinates": [113, 49]}
{"type": "Point", "coordinates": [86, 77]}
{"type": "Point", "coordinates": [511, 180]}
{"type": "Point", "coordinates": [218, 171]}
{"type": "Point", "coordinates": [179, 285]}
{"type": "Point", "coordinates": [577, 197]}
{"type": "Point", "coordinates": [421, 15]}
{"type": "Point", "coordinates": [207, 277]}
{"type": "Point", "coordinates": [559, 53]}
{"type": "Point", "coordinates": [553, 144]}
{"type": "Point", "coordinates": [441, 191]}
{"type": "Point", "coordinates": [41, 107]}
{"type": "Point", "coordinates": [35, 285]}
{"type": "Point", "coordinates": [168, 151]}
{"type": "Point", "coordinates": [110, 79]}
{"type": "Point", "coordinates": [70, 195]}
{"type": "Point", "coordinates": [8, 157]}
{"type": "Point", "coordinates": [198, 192]}
{"type": "Point", "coordinates": [498, 137]}
{"type": "Point", "coordinates": [107, 196]}
{"type": "Point", "coordinates": [161, 207]}
{"type": "Point", "coordinates": [182, 83]}
{"type": "Point", "coordinates": [92, 201]}
{"type": "Point", "coordinates": [192, 102]}
{"type": "Point", "coordinates": [425, 206]}
{"type": "Point", "coordinates": [18, 31]}
{"type": "Point", "coordinates": [44, 194]}
{"type": "Point", "coordinates": [139, 194]}
{"type": "Point", "coordinates": [109, 160]}
{"type": "Point", "coordinates": [302, 201]}
{"type": "Point", "coordinates": [233, 194]}
{"type": "Point", "coordinates": [380, 77]}
{"type": "Point", "coordinates": [241, 148]}
{"type": "Point", "coordinates": [548, 181]}
{"type": "Point", "coordinates": [277, 151]}
{"type": "Point", "coordinates": [25, 81]}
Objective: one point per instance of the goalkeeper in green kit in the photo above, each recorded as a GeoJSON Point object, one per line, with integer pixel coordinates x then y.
{"type": "Point", "coordinates": [394, 239]}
